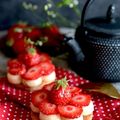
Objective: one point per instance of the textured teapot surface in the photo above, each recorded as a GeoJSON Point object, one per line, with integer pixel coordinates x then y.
{"type": "Point", "coordinates": [99, 39]}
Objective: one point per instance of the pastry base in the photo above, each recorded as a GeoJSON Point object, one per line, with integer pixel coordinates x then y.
{"type": "Point", "coordinates": [35, 116]}
{"type": "Point", "coordinates": [88, 117]}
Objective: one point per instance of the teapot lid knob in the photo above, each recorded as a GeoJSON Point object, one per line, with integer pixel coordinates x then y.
{"type": "Point", "coordinates": [111, 13]}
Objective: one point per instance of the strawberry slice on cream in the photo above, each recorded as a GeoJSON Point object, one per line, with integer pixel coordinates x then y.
{"type": "Point", "coordinates": [32, 78]}
{"type": "Point", "coordinates": [15, 70]}
{"type": "Point", "coordinates": [48, 72]}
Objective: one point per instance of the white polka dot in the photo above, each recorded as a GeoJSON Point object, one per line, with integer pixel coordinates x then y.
{"type": "Point", "coordinates": [102, 111]}
{"type": "Point", "coordinates": [118, 116]}
{"type": "Point", "coordinates": [4, 111]}
{"type": "Point", "coordinates": [5, 106]}
{"type": "Point", "coordinates": [77, 84]}
{"type": "Point", "coordinates": [8, 114]}
{"type": "Point", "coordinates": [19, 98]}
{"type": "Point", "coordinates": [10, 109]}
{"type": "Point", "coordinates": [106, 102]}
{"type": "Point", "coordinates": [76, 80]}
{"type": "Point", "coordinates": [82, 82]}
{"type": "Point", "coordinates": [104, 115]}
{"type": "Point", "coordinates": [100, 104]}
{"type": "Point", "coordinates": [107, 106]}
{"type": "Point", "coordinates": [118, 103]}
{"type": "Point", "coordinates": [101, 107]}
{"type": "Point", "coordinates": [112, 104]}
{"type": "Point", "coordinates": [113, 108]}
{"type": "Point", "coordinates": [98, 114]}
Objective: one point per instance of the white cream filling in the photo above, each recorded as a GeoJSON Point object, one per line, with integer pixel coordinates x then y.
{"type": "Point", "coordinates": [34, 108]}
{"type": "Point", "coordinates": [32, 83]}
{"type": "Point", "coordinates": [49, 78]}
{"type": "Point", "coordinates": [14, 79]}
{"type": "Point", "coordinates": [79, 118]}
{"type": "Point", "coordinates": [49, 117]}
{"type": "Point", "coordinates": [88, 109]}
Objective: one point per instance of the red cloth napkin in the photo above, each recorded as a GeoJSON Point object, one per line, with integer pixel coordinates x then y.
{"type": "Point", "coordinates": [14, 102]}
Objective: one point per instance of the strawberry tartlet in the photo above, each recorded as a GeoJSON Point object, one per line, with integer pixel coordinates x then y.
{"type": "Point", "coordinates": [15, 70]}
{"type": "Point", "coordinates": [59, 101]}
{"type": "Point", "coordinates": [32, 69]}
{"type": "Point", "coordinates": [39, 75]}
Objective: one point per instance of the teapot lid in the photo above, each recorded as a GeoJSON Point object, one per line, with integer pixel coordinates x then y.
{"type": "Point", "coordinates": [108, 26]}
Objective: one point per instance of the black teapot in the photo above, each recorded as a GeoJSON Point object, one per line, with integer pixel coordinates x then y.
{"type": "Point", "coordinates": [99, 40]}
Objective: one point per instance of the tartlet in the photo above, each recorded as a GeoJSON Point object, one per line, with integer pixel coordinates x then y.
{"type": "Point", "coordinates": [57, 101]}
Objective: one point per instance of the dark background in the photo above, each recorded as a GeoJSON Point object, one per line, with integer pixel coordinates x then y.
{"type": "Point", "coordinates": [12, 11]}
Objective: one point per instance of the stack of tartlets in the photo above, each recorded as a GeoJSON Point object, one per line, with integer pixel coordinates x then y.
{"type": "Point", "coordinates": [31, 69]}
{"type": "Point", "coordinates": [59, 101]}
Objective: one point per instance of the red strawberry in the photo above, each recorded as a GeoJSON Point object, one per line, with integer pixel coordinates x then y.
{"type": "Point", "coordinates": [32, 73]}
{"type": "Point", "coordinates": [46, 67]}
{"type": "Point", "coordinates": [80, 100]}
{"type": "Point", "coordinates": [51, 30]}
{"type": "Point", "coordinates": [75, 90]}
{"type": "Point", "coordinates": [47, 108]}
{"type": "Point", "coordinates": [13, 63]}
{"type": "Point", "coordinates": [20, 45]}
{"type": "Point", "coordinates": [52, 33]}
{"type": "Point", "coordinates": [33, 33]}
{"type": "Point", "coordinates": [15, 32]}
{"type": "Point", "coordinates": [60, 94]}
{"type": "Point", "coordinates": [38, 96]}
{"type": "Point", "coordinates": [44, 57]}
{"type": "Point", "coordinates": [30, 57]}
{"type": "Point", "coordinates": [17, 69]}
{"type": "Point", "coordinates": [69, 111]}
{"type": "Point", "coordinates": [49, 86]}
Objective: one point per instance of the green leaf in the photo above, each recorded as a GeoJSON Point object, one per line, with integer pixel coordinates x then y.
{"type": "Point", "coordinates": [107, 89]}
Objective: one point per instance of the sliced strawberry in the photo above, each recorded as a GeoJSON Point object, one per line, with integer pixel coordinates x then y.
{"type": "Point", "coordinates": [47, 67]}
{"type": "Point", "coordinates": [80, 100]}
{"type": "Point", "coordinates": [47, 108]}
{"type": "Point", "coordinates": [69, 111]}
{"type": "Point", "coordinates": [13, 63]}
{"type": "Point", "coordinates": [30, 57]}
{"type": "Point", "coordinates": [32, 73]}
{"type": "Point", "coordinates": [44, 57]}
{"type": "Point", "coordinates": [38, 96]}
{"type": "Point", "coordinates": [75, 90]}
{"type": "Point", "coordinates": [49, 86]}
{"type": "Point", "coordinates": [20, 69]}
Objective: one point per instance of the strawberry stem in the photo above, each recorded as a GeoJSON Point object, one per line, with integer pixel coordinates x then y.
{"type": "Point", "coordinates": [61, 83]}
{"type": "Point", "coordinates": [31, 50]}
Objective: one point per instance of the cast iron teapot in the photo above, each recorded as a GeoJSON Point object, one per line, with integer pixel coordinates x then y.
{"type": "Point", "coordinates": [99, 40]}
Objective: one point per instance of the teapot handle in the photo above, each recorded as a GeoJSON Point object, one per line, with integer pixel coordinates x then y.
{"type": "Point", "coordinates": [85, 8]}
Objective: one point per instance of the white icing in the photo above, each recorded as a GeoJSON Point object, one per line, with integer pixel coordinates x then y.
{"type": "Point", "coordinates": [49, 78]}
{"type": "Point", "coordinates": [88, 109]}
{"type": "Point", "coordinates": [14, 79]}
{"type": "Point", "coordinates": [34, 108]}
{"type": "Point", "coordinates": [32, 83]}
{"type": "Point", "coordinates": [79, 118]}
{"type": "Point", "coordinates": [49, 117]}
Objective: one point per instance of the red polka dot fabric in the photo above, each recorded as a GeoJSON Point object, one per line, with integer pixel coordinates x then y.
{"type": "Point", "coordinates": [14, 102]}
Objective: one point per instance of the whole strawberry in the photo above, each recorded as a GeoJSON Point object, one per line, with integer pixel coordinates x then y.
{"type": "Point", "coordinates": [60, 93]}
{"type": "Point", "coordinates": [15, 33]}
{"type": "Point", "coordinates": [30, 57]}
